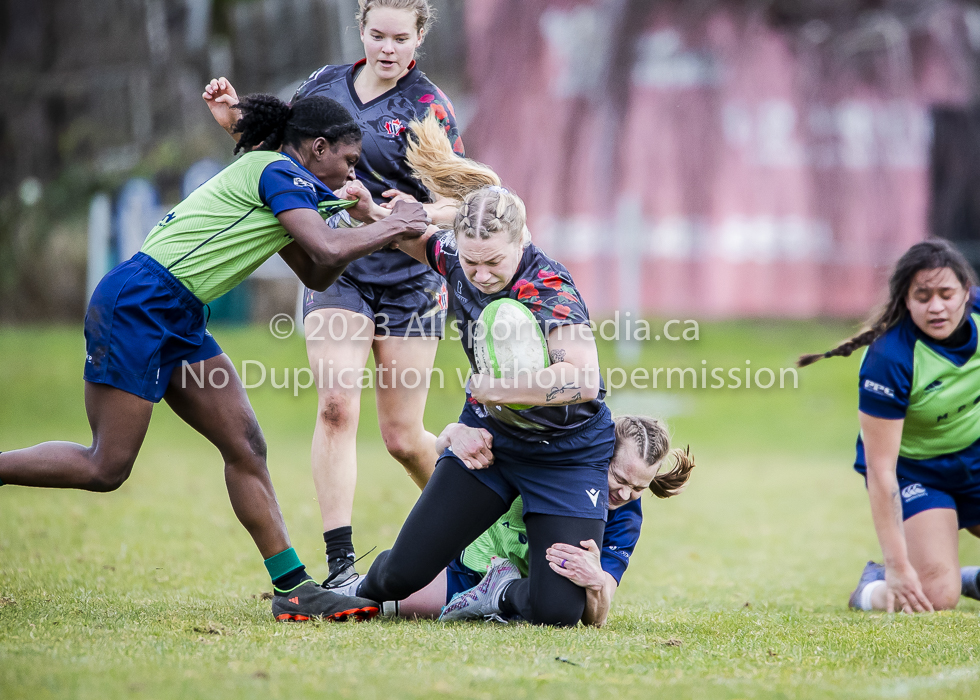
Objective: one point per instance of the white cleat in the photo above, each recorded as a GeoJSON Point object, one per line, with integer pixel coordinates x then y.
{"type": "Point", "coordinates": [483, 600]}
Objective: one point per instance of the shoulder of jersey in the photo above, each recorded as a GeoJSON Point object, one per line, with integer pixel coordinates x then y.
{"type": "Point", "coordinates": [447, 239]}
{"type": "Point", "coordinates": [321, 79]}
{"type": "Point", "coordinates": [897, 344]}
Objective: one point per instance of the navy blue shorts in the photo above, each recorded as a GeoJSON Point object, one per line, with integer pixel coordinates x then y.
{"type": "Point", "coordinates": [918, 496]}
{"type": "Point", "coordinates": [140, 325]}
{"type": "Point", "coordinates": [460, 577]}
{"type": "Point", "coordinates": [567, 475]}
{"type": "Point", "coordinates": [415, 308]}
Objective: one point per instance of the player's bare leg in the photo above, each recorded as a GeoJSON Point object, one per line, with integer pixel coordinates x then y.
{"type": "Point", "coordinates": [400, 408]}
{"type": "Point", "coordinates": [337, 366]}
{"type": "Point", "coordinates": [118, 420]}
{"type": "Point", "coordinates": [222, 413]}
{"type": "Point", "coordinates": [933, 545]}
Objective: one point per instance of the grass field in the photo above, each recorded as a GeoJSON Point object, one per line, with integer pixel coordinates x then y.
{"type": "Point", "coordinates": [738, 588]}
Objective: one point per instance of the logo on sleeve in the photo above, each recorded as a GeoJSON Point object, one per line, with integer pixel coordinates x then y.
{"type": "Point", "coordinates": [913, 491]}
{"type": "Point", "coordinates": [879, 389]}
{"type": "Point", "coordinates": [593, 495]}
{"type": "Point", "coordinates": [300, 182]}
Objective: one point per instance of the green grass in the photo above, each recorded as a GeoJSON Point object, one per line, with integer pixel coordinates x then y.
{"type": "Point", "coordinates": [738, 587]}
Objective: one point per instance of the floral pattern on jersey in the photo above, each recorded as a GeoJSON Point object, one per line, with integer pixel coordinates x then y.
{"type": "Point", "coordinates": [554, 294]}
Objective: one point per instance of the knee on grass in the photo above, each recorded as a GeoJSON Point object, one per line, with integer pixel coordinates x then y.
{"type": "Point", "coordinates": [943, 593]}
{"type": "Point", "coordinates": [555, 613]}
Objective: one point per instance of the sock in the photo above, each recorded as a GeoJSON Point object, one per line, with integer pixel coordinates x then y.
{"type": "Point", "coordinates": [286, 570]}
{"type": "Point", "coordinates": [864, 600]}
{"type": "Point", "coordinates": [503, 605]}
{"type": "Point", "coordinates": [339, 544]}
{"type": "Point", "coordinates": [970, 576]}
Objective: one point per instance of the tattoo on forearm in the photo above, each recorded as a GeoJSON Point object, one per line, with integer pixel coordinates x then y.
{"type": "Point", "coordinates": [556, 391]}
{"type": "Point", "coordinates": [897, 503]}
{"type": "Point", "coordinates": [557, 356]}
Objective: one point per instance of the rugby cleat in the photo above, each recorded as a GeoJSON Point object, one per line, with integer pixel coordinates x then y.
{"type": "Point", "coordinates": [483, 600]}
{"type": "Point", "coordinates": [872, 572]}
{"type": "Point", "coordinates": [309, 601]}
{"type": "Point", "coordinates": [970, 576]}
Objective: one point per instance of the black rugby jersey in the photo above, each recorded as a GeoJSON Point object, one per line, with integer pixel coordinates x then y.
{"type": "Point", "coordinates": [384, 121]}
{"type": "Point", "coordinates": [546, 288]}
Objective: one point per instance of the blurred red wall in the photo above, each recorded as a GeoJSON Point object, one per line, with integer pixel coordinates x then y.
{"type": "Point", "coordinates": [714, 165]}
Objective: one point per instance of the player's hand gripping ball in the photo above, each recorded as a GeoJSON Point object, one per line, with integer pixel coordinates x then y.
{"type": "Point", "coordinates": [508, 343]}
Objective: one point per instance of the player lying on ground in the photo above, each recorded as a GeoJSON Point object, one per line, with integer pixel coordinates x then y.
{"type": "Point", "coordinates": [146, 318]}
{"type": "Point", "coordinates": [472, 585]}
{"type": "Point", "coordinates": [554, 453]}
{"type": "Point", "coordinates": [919, 447]}
{"type": "Point", "coordinates": [386, 303]}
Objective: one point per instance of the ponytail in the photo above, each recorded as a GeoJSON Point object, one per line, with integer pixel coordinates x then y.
{"type": "Point", "coordinates": [436, 165]}
{"type": "Point", "coordinates": [263, 121]}
{"type": "Point", "coordinates": [674, 481]}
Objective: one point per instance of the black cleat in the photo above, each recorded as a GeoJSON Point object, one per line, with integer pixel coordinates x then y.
{"type": "Point", "coordinates": [308, 601]}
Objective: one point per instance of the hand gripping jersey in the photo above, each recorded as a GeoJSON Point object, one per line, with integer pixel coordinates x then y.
{"type": "Point", "coordinates": [384, 121]}
{"type": "Point", "coordinates": [227, 227]}
{"type": "Point", "coordinates": [508, 538]}
{"type": "Point", "coordinates": [546, 288]}
{"type": "Point", "coordinates": [934, 387]}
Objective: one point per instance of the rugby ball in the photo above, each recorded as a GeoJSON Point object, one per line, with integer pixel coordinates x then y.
{"type": "Point", "coordinates": [508, 342]}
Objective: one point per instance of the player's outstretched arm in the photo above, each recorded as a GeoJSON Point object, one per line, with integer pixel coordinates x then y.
{"type": "Point", "coordinates": [583, 567]}
{"type": "Point", "coordinates": [220, 97]}
{"type": "Point", "coordinates": [442, 210]}
{"type": "Point", "coordinates": [572, 377]}
{"type": "Point", "coordinates": [320, 253]}
{"type": "Point", "coordinates": [882, 439]}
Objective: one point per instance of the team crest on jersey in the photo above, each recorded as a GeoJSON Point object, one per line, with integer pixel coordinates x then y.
{"type": "Point", "coordinates": [394, 127]}
{"type": "Point", "coordinates": [300, 182]}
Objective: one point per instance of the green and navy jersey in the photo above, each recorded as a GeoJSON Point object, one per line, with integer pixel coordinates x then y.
{"type": "Point", "coordinates": [507, 538]}
{"type": "Point", "coordinates": [934, 386]}
{"type": "Point", "coordinates": [546, 288]}
{"type": "Point", "coordinates": [227, 227]}
{"type": "Point", "coordinates": [382, 166]}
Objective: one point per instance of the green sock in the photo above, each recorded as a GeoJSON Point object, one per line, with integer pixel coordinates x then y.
{"type": "Point", "coordinates": [285, 569]}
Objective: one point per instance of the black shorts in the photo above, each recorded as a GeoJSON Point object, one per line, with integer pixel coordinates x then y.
{"type": "Point", "coordinates": [415, 308]}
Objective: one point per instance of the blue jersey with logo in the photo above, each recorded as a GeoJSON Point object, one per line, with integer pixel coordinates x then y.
{"type": "Point", "coordinates": [383, 122]}
{"type": "Point", "coordinates": [905, 371]}
{"type": "Point", "coordinates": [546, 288]}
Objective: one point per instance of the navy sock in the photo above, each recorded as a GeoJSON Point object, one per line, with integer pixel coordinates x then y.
{"type": "Point", "coordinates": [339, 544]}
